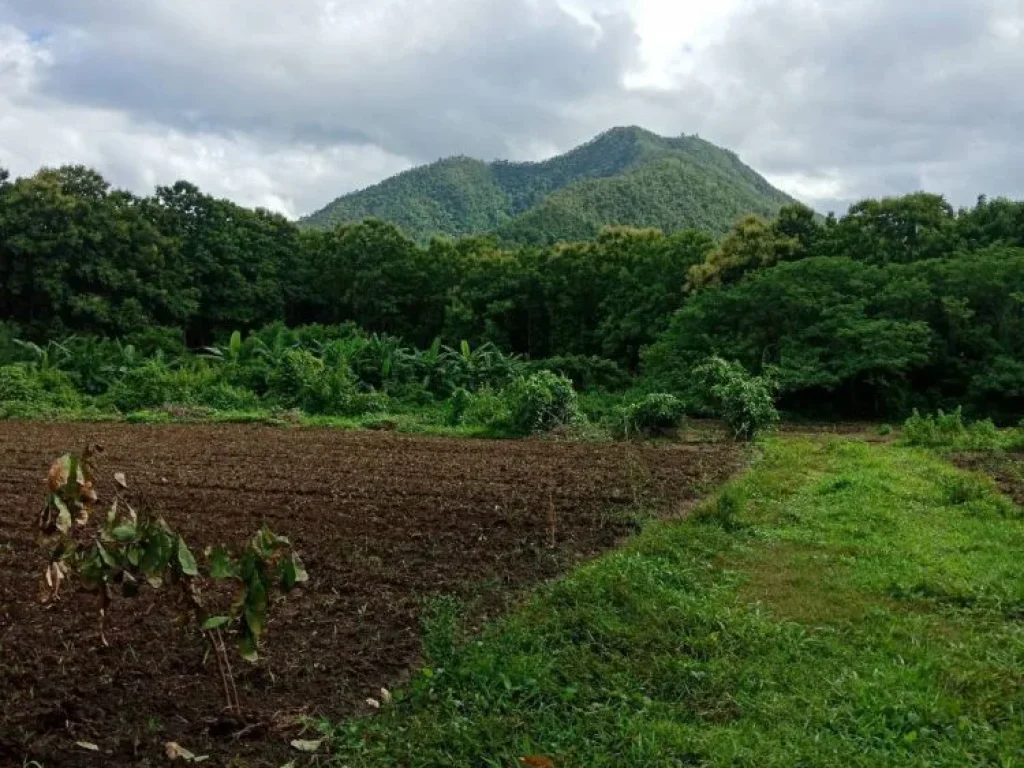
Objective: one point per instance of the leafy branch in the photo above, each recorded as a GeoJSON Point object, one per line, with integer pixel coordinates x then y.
{"type": "Point", "coordinates": [127, 549]}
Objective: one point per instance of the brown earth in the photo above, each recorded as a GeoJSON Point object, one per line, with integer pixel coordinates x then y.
{"type": "Point", "coordinates": [382, 521]}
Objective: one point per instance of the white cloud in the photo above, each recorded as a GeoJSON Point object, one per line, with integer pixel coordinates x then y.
{"type": "Point", "coordinates": [288, 105]}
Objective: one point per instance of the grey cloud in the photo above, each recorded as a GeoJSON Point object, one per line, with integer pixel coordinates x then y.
{"type": "Point", "coordinates": [423, 79]}
{"type": "Point", "coordinates": [837, 100]}
{"type": "Point", "coordinates": [888, 95]}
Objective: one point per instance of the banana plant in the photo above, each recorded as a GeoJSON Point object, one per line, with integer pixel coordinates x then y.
{"type": "Point", "coordinates": [232, 353]}
{"type": "Point", "coordinates": [49, 357]}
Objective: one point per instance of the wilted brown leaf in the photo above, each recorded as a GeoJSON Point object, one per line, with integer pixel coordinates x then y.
{"type": "Point", "coordinates": [88, 492]}
{"type": "Point", "coordinates": [175, 751]}
{"type": "Point", "coordinates": [55, 575]}
{"type": "Point", "coordinates": [59, 474]}
{"type": "Point", "coordinates": [537, 761]}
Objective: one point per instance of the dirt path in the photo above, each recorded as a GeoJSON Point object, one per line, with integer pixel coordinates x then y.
{"type": "Point", "coordinates": [382, 522]}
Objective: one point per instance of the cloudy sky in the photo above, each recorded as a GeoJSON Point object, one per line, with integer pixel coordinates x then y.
{"type": "Point", "coordinates": [289, 104]}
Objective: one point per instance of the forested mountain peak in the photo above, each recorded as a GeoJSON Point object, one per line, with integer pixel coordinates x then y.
{"type": "Point", "coordinates": [624, 176]}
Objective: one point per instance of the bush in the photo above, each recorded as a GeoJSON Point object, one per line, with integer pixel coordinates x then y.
{"type": "Point", "coordinates": [745, 403]}
{"type": "Point", "coordinates": [541, 402]}
{"type": "Point", "coordinates": [457, 405]}
{"type": "Point", "coordinates": [484, 408]}
{"type": "Point", "coordinates": [35, 390]}
{"type": "Point", "coordinates": [17, 384]}
{"type": "Point", "coordinates": [147, 386]}
{"type": "Point", "coordinates": [297, 370]}
{"type": "Point", "coordinates": [654, 415]}
{"type": "Point", "coordinates": [949, 430]}
{"type": "Point", "coordinates": [586, 373]}
{"type": "Point", "coordinates": [302, 380]}
{"type": "Point", "coordinates": [222, 396]}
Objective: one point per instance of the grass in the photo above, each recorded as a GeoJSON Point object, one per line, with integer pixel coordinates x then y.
{"type": "Point", "coordinates": [838, 605]}
{"type": "Point", "coordinates": [431, 420]}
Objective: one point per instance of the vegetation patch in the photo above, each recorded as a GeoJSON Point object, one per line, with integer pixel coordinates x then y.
{"type": "Point", "coordinates": [853, 615]}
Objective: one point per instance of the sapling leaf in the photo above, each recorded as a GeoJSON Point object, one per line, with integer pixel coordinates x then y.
{"type": "Point", "coordinates": [247, 648]}
{"type": "Point", "coordinates": [301, 575]}
{"type": "Point", "coordinates": [216, 622]}
{"type": "Point", "coordinates": [292, 572]}
{"type": "Point", "coordinates": [186, 560]}
{"type": "Point", "coordinates": [108, 557]}
{"type": "Point", "coordinates": [221, 564]}
{"type": "Point", "coordinates": [63, 514]}
{"type": "Point", "coordinates": [124, 532]}
{"type": "Point", "coordinates": [256, 607]}
{"type": "Point", "coordinates": [288, 574]}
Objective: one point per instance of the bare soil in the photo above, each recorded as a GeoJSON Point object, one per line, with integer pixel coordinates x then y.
{"type": "Point", "coordinates": [383, 522]}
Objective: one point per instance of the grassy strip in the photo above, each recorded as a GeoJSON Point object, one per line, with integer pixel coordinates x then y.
{"type": "Point", "coordinates": [839, 605]}
{"type": "Point", "coordinates": [425, 421]}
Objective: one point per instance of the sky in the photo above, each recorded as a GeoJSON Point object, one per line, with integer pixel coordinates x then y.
{"type": "Point", "coordinates": [287, 105]}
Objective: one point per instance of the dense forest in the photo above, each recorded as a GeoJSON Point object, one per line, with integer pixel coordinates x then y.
{"type": "Point", "coordinates": [625, 176]}
{"type": "Point", "coordinates": [900, 303]}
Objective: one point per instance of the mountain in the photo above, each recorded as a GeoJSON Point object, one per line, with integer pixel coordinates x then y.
{"type": "Point", "coordinates": [626, 176]}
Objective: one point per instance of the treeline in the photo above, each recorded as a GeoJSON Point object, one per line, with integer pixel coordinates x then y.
{"type": "Point", "coordinates": [900, 303]}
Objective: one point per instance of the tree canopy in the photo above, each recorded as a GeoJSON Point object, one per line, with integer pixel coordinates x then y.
{"type": "Point", "coordinates": [899, 303]}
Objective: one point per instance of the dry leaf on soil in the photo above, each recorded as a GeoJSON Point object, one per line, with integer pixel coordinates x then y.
{"type": "Point", "coordinates": [175, 751]}
{"type": "Point", "coordinates": [307, 745]}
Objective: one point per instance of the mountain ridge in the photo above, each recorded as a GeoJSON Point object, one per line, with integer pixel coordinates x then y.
{"type": "Point", "coordinates": [623, 176]}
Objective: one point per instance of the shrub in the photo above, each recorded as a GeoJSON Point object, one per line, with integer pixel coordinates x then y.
{"type": "Point", "coordinates": [457, 405]}
{"type": "Point", "coordinates": [745, 403]}
{"type": "Point", "coordinates": [18, 384]}
{"type": "Point", "coordinates": [949, 430]}
{"type": "Point", "coordinates": [485, 408]}
{"type": "Point", "coordinates": [222, 396]}
{"type": "Point", "coordinates": [655, 414]}
{"type": "Point", "coordinates": [541, 402]}
{"type": "Point", "coordinates": [302, 380]}
{"type": "Point", "coordinates": [586, 373]}
{"type": "Point", "coordinates": [296, 371]}
{"type": "Point", "coordinates": [147, 386]}
{"type": "Point", "coordinates": [35, 390]}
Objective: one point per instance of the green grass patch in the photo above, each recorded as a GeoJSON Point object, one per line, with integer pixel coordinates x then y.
{"type": "Point", "coordinates": [835, 606]}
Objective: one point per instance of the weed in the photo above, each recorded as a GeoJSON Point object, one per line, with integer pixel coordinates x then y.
{"type": "Point", "coordinates": [725, 510]}
{"type": "Point", "coordinates": [441, 618]}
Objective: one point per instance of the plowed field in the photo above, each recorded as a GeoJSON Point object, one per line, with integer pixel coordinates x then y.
{"type": "Point", "coordinates": [383, 522]}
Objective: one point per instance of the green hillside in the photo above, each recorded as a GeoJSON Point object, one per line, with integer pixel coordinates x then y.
{"type": "Point", "coordinates": [625, 176]}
